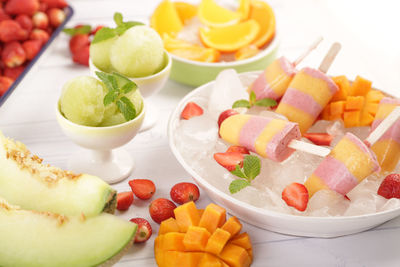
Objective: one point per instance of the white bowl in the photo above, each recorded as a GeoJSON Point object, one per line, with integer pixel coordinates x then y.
{"type": "Point", "coordinates": [266, 219]}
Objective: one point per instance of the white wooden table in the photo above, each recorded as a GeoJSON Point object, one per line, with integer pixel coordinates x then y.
{"type": "Point", "coordinates": [369, 49]}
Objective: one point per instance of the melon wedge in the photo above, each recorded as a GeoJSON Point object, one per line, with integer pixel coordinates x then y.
{"type": "Point", "coordinates": [26, 182]}
{"type": "Point", "coordinates": [31, 238]}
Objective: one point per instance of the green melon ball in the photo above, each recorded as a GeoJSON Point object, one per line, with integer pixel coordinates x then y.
{"type": "Point", "coordinates": [138, 52]}
{"type": "Point", "coordinates": [82, 101]}
{"type": "Point", "coordinates": [112, 116]}
{"type": "Point", "coordinates": [100, 54]}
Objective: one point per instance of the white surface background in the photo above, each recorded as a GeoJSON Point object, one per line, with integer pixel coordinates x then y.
{"type": "Point", "coordinates": [368, 31]}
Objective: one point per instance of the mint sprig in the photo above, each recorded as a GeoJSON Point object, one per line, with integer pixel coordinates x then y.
{"type": "Point", "coordinates": [106, 33]}
{"type": "Point", "coordinates": [250, 170]}
{"type": "Point", "coordinates": [243, 103]}
{"type": "Point", "coordinates": [119, 85]}
{"type": "Point", "coordinates": [84, 29]}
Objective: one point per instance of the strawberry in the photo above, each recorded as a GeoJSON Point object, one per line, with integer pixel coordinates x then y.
{"type": "Point", "coordinates": [184, 192]}
{"type": "Point", "coordinates": [191, 110]}
{"type": "Point", "coordinates": [25, 22]}
{"type": "Point", "coordinates": [78, 41]}
{"type": "Point", "coordinates": [5, 83]}
{"type": "Point", "coordinates": [3, 15]}
{"type": "Point", "coordinates": [124, 200]}
{"type": "Point", "coordinates": [13, 73]}
{"type": "Point", "coordinates": [43, 7]}
{"type": "Point", "coordinates": [229, 160]}
{"type": "Point", "coordinates": [55, 3]}
{"type": "Point", "coordinates": [390, 186]}
{"type": "Point", "coordinates": [12, 31]}
{"type": "Point", "coordinates": [142, 188]}
{"type": "Point", "coordinates": [240, 149]}
{"type": "Point", "coordinates": [13, 54]}
{"type": "Point", "coordinates": [56, 16]}
{"type": "Point", "coordinates": [161, 209]}
{"type": "Point", "coordinates": [296, 195]}
{"type": "Point", "coordinates": [144, 231]}
{"type": "Point", "coordinates": [38, 34]}
{"type": "Point", "coordinates": [31, 48]}
{"type": "Point", "coordinates": [40, 20]}
{"type": "Point", "coordinates": [225, 114]}
{"type": "Point", "coordinates": [17, 7]}
{"type": "Point", "coordinates": [320, 139]}
{"type": "Point", "coordinates": [82, 56]}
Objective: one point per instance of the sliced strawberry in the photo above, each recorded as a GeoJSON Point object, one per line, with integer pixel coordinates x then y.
{"type": "Point", "coordinates": [225, 114]}
{"type": "Point", "coordinates": [320, 139]}
{"type": "Point", "coordinates": [296, 195]}
{"type": "Point", "coordinates": [390, 186]}
{"type": "Point", "coordinates": [191, 110]}
{"type": "Point", "coordinates": [124, 200]}
{"type": "Point", "coordinates": [240, 149]}
{"type": "Point", "coordinates": [144, 230]}
{"type": "Point", "coordinates": [142, 188]}
{"type": "Point", "coordinates": [184, 192]}
{"type": "Point", "coordinates": [229, 160]}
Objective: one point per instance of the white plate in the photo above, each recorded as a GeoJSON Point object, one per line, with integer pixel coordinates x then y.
{"type": "Point", "coordinates": [271, 220]}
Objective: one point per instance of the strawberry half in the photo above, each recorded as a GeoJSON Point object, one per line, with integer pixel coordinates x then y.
{"type": "Point", "coordinates": [191, 110]}
{"type": "Point", "coordinates": [225, 114]}
{"type": "Point", "coordinates": [124, 200]}
{"type": "Point", "coordinates": [144, 230]}
{"type": "Point", "coordinates": [229, 160]}
{"type": "Point", "coordinates": [142, 188]}
{"type": "Point", "coordinates": [240, 149]}
{"type": "Point", "coordinates": [320, 139]}
{"type": "Point", "coordinates": [390, 186]}
{"type": "Point", "coordinates": [296, 195]}
{"type": "Point", "coordinates": [184, 192]}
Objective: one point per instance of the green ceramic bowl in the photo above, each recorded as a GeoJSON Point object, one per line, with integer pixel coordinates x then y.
{"type": "Point", "coordinates": [196, 73]}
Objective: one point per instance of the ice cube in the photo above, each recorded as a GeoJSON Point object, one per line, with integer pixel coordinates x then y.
{"type": "Point", "coordinates": [190, 32]}
{"type": "Point", "coordinates": [327, 203]}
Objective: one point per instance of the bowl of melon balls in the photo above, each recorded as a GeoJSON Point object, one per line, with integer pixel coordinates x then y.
{"type": "Point", "coordinates": [207, 38]}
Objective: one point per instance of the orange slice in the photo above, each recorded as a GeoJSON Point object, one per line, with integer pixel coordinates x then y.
{"type": "Point", "coordinates": [230, 38]}
{"type": "Point", "coordinates": [185, 10]}
{"type": "Point", "coordinates": [244, 9]}
{"type": "Point", "coordinates": [214, 15]}
{"type": "Point", "coordinates": [165, 19]}
{"type": "Point", "coordinates": [264, 15]}
{"type": "Point", "coordinates": [246, 52]}
{"type": "Point", "coordinates": [189, 51]}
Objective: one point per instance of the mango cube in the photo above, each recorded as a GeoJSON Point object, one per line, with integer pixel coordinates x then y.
{"type": "Point", "coordinates": [360, 87]}
{"type": "Point", "coordinates": [354, 103]}
{"type": "Point", "coordinates": [186, 215]}
{"type": "Point", "coordinates": [196, 238]}
{"type": "Point", "coordinates": [374, 96]}
{"type": "Point", "coordinates": [213, 217]}
{"type": "Point", "coordinates": [235, 256]}
{"type": "Point", "coordinates": [232, 225]}
{"type": "Point", "coordinates": [217, 241]}
{"type": "Point", "coordinates": [351, 118]}
{"type": "Point", "coordinates": [180, 258]}
{"type": "Point", "coordinates": [344, 86]}
{"type": "Point", "coordinates": [169, 225]}
{"type": "Point", "coordinates": [242, 240]}
{"type": "Point", "coordinates": [209, 260]}
{"type": "Point", "coordinates": [173, 241]}
{"type": "Point", "coordinates": [337, 107]}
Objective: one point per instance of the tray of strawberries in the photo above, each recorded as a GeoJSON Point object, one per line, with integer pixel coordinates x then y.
{"type": "Point", "coordinates": [27, 28]}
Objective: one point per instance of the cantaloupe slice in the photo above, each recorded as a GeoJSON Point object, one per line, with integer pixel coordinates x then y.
{"type": "Point", "coordinates": [26, 182]}
{"type": "Point", "coordinates": [32, 238]}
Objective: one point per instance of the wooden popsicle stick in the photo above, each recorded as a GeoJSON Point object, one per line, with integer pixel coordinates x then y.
{"type": "Point", "coordinates": [383, 127]}
{"type": "Point", "coordinates": [309, 148]}
{"type": "Point", "coordinates": [308, 51]}
{"type": "Point", "coordinates": [329, 57]}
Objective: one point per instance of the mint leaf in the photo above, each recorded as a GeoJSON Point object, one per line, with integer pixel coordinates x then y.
{"type": "Point", "coordinates": [124, 83]}
{"type": "Point", "coordinates": [241, 104]}
{"type": "Point", "coordinates": [129, 87]}
{"type": "Point", "coordinates": [118, 18]}
{"type": "Point", "coordinates": [110, 97]}
{"type": "Point", "coordinates": [126, 107]}
{"type": "Point", "coordinates": [251, 166]}
{"type": "Point", "coordinates": [252, 97]}
{"type": "Point", "coordinates": [239, 172]}
{"type": "Point", "coordinates": [237, 185]}
{"type": "Point", "coordinates": [84, 29]}
{"type": "Point", "coordinates": [113, 82]}
{"type": "Point", "coordinates": [103, 34]}
{"type": "Point", "coordinates": [104, 77]}
{"type": "Point", "coordinates": [131, 24]}
{"type": "Point", "coordinates": [266, 102]}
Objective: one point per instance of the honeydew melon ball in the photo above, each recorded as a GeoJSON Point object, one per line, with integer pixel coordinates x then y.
{"type": "Point", "coordinates": [100, 54]}
{"type": "Point", "coordinates": [82, 101]}
{"type": "Point", "coordinates": [112, 116]}
{"type": "Point", "coordinates": [138, 52]}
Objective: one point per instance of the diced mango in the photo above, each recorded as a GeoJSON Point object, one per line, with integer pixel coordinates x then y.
{"type": "Point", "coordinates": [250, 251]}
{"type": "Point", "coordinates": [213, 217]}
{"type": "Point", "coordinates": [343, 83]}
{"type": "Point", "coordinates": [233, 226]}
{"type": "Point", "coordinates": [209, 260]}
{"type": "Point", "coordinates": [186, 215]}
{"type": "Point", "coordinates": [180, 258]}
{"type": "Point", "coordinates": [354, 103]}
{"type": "Point", "coordinates": [196, 238]}
{"type": "Point", "coordinates": [235, 256]}
{"type": "Point", "coordinates": [242, 240]}
{"type": "Point", "coordinates": [366, 118]}
{"type": "Point", "coordinates": [169, 225]}
{"type": "Point", "coordinates": [217, 241]}
{"type": "Point", "coordinates": [158, 251]}
{"type": "Point", "coordinates": [201, 211]}
{"type": "Point", "coordinates": [374, 96]}
{"type": "Point", "coordinates": [326, 112]}
{"type": "Point", "coordinates": [371, 108]}
{"type": "Point", "coordinates": [351, 118]}
{"type": "Point", "coordinates": [173, 241]}
{"type": "Point", "coordinates": [360, 87]}
{"type": "Point", "coordinates": [337, 107]}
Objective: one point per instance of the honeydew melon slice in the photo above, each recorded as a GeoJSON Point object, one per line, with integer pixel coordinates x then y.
{"type": "Point", "coordinates": [31, 238]}
{"type": "Point", "coordinates": [26, 182]}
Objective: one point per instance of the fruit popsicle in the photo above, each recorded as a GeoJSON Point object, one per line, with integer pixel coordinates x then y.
{"type": "Point", "coordinates": [349, 162]}
{"type": "Point", "coordinates": [266, 136]}
{"type": "Point", "coordinates": [387, 148]}
{"type": "Point", "coordinates": [275, 79]}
